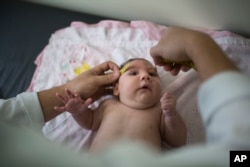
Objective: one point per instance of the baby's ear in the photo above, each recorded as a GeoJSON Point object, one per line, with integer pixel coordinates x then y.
{"type": "Point", "coordinates": [115, 90]}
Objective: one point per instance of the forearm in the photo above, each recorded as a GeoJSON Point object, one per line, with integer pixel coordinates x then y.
{"type": "Point", "coordinates": [175, 131]}
{"type": "Point", "coordinates": [225, 109]}
{"type": "Point", "coordinates": [207, 56]}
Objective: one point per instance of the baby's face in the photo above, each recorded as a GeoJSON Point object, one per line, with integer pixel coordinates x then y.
{"type": "Point", "coordinates": [139, 86]}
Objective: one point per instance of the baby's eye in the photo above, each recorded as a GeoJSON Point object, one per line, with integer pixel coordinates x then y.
{"type": "Point", "coordinates": [153, 74]}
{"type": "Point", "coordinates": [133, 73]}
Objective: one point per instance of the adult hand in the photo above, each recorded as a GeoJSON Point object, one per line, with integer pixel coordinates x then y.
{"type": "Point", "coordinates": [94, 83]}
{"type": "Point", "coordinates": [184, 45]}
{"type": "Point", "coordinates": [173, 46]}
{"type": "Point", "coordinates": [90, 84]}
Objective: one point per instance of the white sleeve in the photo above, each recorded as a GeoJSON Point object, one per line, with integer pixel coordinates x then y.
{"type": "Point", "coordinates": [22, 110]}
{"type": "Point", "coordinates": [224, 102]}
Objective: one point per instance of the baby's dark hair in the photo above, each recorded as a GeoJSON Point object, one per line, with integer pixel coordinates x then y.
{"type": "Point", "coordinates": [129, 60]}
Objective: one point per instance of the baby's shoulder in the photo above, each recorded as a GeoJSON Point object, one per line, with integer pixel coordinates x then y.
{"type": "Point", "coordinates": [108, 102]}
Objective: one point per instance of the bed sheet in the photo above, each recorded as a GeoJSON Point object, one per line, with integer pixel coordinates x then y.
{"type": "Point", "coordinates": [83, 44]}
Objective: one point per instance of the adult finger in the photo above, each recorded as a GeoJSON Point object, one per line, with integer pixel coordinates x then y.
{"type": "Point", "coordinates": [156, 54]}
{"type": "Point", "coordinates": [185, 68]}
{"type": "Point", "coordinates": [106, 66]}
{"type": "Point", "coordinates": [168, 67]}
{"type": "Point", "coordinates": [175, 70]}
{"type": "Point", "coordinates": [104, 79]}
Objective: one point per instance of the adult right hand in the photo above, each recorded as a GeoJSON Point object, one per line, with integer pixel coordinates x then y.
{"type": "Point", "coordinates": [181, 45]}
{"type": "Point", "coordinates": [174, 46]}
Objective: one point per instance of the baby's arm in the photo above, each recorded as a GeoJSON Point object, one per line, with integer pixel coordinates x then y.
{"type": "Point", "coordinates": [77, 107]}
{"type": "Point", "coordinates": [173, 127]}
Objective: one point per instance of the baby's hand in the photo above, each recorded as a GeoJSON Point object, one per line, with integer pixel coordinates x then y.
{"type": "Point", "coordinates": [168, 104]}
{"type": "Point", "coordinates": [72, 103]}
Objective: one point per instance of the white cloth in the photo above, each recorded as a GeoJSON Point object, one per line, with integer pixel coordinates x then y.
{"type": "Point", "coordinates": [22, 110]}
{"type": "Point", "coordinates": [224, 102]}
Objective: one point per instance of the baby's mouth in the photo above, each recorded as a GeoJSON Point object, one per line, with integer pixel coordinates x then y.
{"type": "Point", "coordinates": [145, 87]}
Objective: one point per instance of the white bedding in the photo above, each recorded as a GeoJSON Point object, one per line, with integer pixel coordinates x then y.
{"type": "Point", "coordinates": [117, 41]}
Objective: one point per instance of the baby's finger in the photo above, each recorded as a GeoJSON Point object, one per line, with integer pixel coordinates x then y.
{"type": "Point", "coordinates": [69, 93]}
{"type": "Point", "coordinates": [61, 98]}
{"type": "Point", "coordinates": [88, 102]}
{"type": "Point", "coordinates": [164, 107]}
{"type": "Point", "coordinates": [60, 109]}
{"type": "Point", "coordinates": [165, 96]}
{"type": "Point", "coordinates": [169, 95]}
{"type": "Point", "coordinates": [168, 113]}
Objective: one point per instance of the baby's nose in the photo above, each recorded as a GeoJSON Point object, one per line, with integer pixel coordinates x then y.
{"type": "Point", "coordinates": [145, 77]}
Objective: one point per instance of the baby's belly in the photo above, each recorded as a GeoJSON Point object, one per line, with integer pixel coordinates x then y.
{"type": "Point", "coordinates": [108, 135]}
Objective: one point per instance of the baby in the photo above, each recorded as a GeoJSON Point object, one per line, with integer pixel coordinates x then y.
{"type": "Point", "coordinates": [139, 112]}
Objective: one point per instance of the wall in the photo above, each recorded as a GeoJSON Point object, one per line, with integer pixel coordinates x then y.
{"type": "Point", "coordinates": [229, 15]}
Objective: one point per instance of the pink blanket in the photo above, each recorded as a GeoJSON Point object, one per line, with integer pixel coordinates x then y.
{"type": "Point", "coordinates": [92, 44]}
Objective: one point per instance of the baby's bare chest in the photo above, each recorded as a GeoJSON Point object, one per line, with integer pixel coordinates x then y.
{"type": "Point", "coordinates": [129, 122]}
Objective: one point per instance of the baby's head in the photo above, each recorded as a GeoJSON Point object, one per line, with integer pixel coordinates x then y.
{"type": "Point", "coordinates": [139, 84]}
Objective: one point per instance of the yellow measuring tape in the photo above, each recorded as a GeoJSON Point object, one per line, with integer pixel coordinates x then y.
{"type": "Point", "coordinates": [186, 63]}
